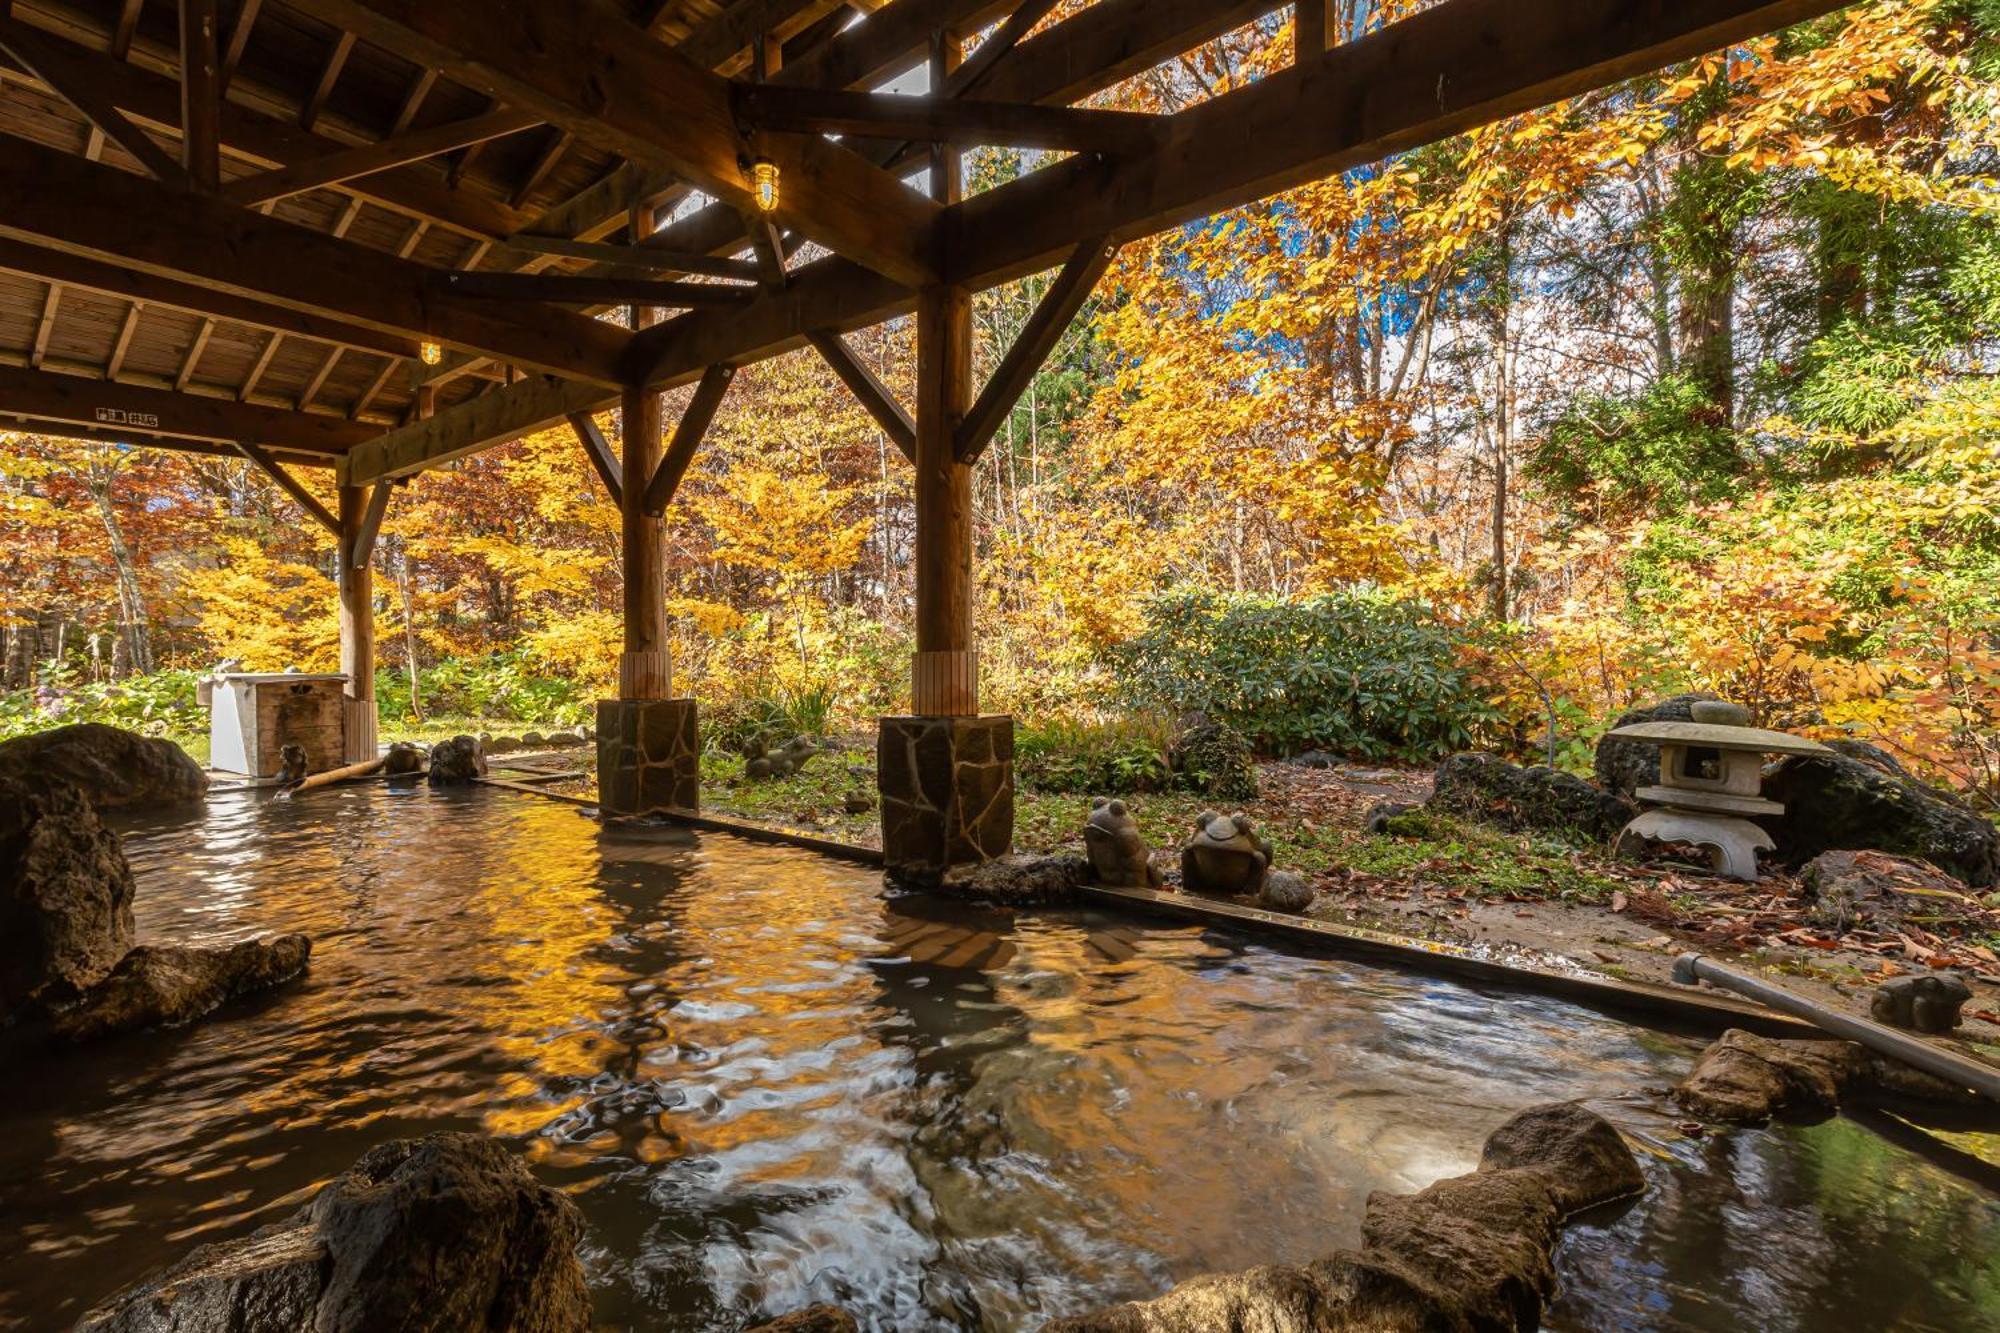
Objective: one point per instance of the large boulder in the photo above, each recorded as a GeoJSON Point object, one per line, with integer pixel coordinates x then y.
{"type": "Point", "coordinates": [460, 760]}
{"type": "Point", "coordinates": [1490, 790]}
{"type": "Point", "coordinates": [65, 896]}
{"type": "Point", "coordinates": [167, 985]}
{"type": "Point", "coordinates": [434, 1235]}
{"type": "Point", "coordinates": [1473, 1252]}
{"type": "Point", "coordinates": [1859, 797]}
{"type": "Point", "coordinates": [1625, 766]}
{"type": "Point", "coordinates": [114, 769]}
{"type": "Point", "coordinates": [1877, 891]}
{"type": "Point", "coordinates": [1744, 1079]}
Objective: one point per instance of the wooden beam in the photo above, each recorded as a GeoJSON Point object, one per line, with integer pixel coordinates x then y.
{"type": "Point", "coordinates": [945, 119]}
{"type": "Point", "coordinates": [635, 257]}
{"type": "Point", "coordinates": [367, 159]}
{"type": "Point", "coordinates": [123, 343]}
{"type": "Point", "coordinates": [688, 435]}
{"type": "Point", "coordinates": [1044, 329]}
{"type": "Point", "coordinates": [201, 93]}
{"type": "Point", "coordinates": [1310, 26]}
{"type": "Point", "coordinates": [478, 423]}
{"type": "Point", "coordinates": [559, 142]}
{"type": "Point", "coordinates": [40, 55]}
{"type": "Point", "coordinates": [123, 30]}
{"type": "Point", "coordinates": [944, 681]}
{"type": "Point", "coordinates": [361, 547]}
{"type": "Point", "coordinates": [336, 61]}
{"type": "Point", "coordinates": [565, 290]}
{"type": "Point", "coordinates": [239, 37]}
{"type": "Point", "coordinates": [153, 99]}
{"type": "Point", "coordinates": [192, 360]}
{"type": "Point", "coordinates": [289, 484]}
{"type": "Point", "coordinates": [111, 279]}
{"type": "Point", "coordinates": [585, 67]}
{"type": "Point", "coordinates": [602, 459]}
{"type": "Point", "coordinates": [1447, 69]}
{"type": "Point", "coordinates": [141, 410]}
{"type": "Point", "coordinates": [46, 325]}
{"type": "Point", "coordinates": [64, 203]}
{"type": "Point", "coordinates": [1107, 43]}
{"type": "Point", "coordinates": [873, 395]}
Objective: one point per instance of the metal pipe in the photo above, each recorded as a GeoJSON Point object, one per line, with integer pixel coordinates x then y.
{"type": "Point", "coordinates": [1982, 1078]}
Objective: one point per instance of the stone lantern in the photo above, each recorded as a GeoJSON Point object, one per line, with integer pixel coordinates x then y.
{"type": "Point", "coordinates": [1711, 780]}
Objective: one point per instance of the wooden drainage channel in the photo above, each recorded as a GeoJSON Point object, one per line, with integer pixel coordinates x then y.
{"type": "Point", "coordinates": [1683, 1006]}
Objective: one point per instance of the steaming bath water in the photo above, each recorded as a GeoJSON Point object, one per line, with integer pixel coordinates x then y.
{"type": "Point", "coordinates": [765, 1084]}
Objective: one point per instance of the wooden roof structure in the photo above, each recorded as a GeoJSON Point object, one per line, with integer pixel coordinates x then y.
{"type": "Point", "coordinates": [233, 223]}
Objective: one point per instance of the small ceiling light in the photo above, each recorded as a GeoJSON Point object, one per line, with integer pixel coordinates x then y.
{"type": "Point", "coordinates": [764, 180]}
{"type": "Point", "coordinates": [432, 354]}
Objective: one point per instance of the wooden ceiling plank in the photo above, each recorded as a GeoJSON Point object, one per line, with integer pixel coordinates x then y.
{"type": "Point", "coordinates": [57, 397]}
{"type": "Point", "coordinates": [39, 54]}
{"type": "Point", "coordinates": [155, 99]}
{"type": "Point", "coordinates": [365, 160]}
{"type": "Point", "coordinates": [587, 68]}
{"type": "Point", "coordinates": [89, 274]}
{"type": "Point", "coordinates": [62, 202]}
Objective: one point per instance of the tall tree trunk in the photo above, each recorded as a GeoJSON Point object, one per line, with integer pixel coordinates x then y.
{"type": "Point", "coordinates": [138, 648]}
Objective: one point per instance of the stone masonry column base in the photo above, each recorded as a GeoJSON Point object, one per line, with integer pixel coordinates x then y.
{"type": "Point", "coordinates": [947, 786]}
{"type": "Point", "coordinates": [648, 756]}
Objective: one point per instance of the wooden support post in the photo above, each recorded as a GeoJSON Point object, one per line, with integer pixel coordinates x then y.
{"type": "Point", "coordinates": [1310, 26]}
{"type": "Point", "coordinates": [945, 681]}
{"type": "Point", "coordinates": [646, 669]}
{"type": "Point", "coordinates": [201, 94]}
{"type": "Point", "coordinates": [357, 617]}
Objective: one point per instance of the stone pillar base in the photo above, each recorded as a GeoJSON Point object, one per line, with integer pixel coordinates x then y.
{"type": "Point", "coordinates": [358, 723]}
{"type": "Point", "coordinates": [648, 756]}
{"type": "Point", "coordinates": [947, 786]}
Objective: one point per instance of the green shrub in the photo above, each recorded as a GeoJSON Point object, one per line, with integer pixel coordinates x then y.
{"type": "Point", "coordinates": [1356, 673]}
{"type": "Point", "coordinates": [1093, 758]}
{"type": "Point", "coordinates": [738, 726]}
{"type": "Point", "coordinates": [161, 704]}
{"type": "Point", "coordinates": [498, 686]}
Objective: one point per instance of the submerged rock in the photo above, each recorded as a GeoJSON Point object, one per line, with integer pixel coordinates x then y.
{"type": "Point", "coordinates": [812, 1319]}
{"type": "Point", "coordinates": [1021, 879]}
{"type": "Point", "coordinates": [458, 760]}
{"type": "Point", "coordinates": [114, 769]}
{"type": "Point", "coordinates": [65, 896]}
{"type": "Point", "coordinates": [1860, 798]}
{"type": "Point", "coordinates": [403, 759]}
{"type": "Point", "coordinates": [444, 1233]}
{"type": "Point", "coordinates": [1474, 1252]}
{"type": "Point", "coordinates": [1745, 1079]}
{"type": "Point", "coordinates": [1490, 790]}
{"type": "Point", "coordinates": [167, 985]}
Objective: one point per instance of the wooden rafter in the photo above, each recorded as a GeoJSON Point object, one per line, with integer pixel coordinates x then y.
{"type": "Point", "coordinates": [336, 62]}
{"type": "Point", "coordinates": [286, 482]}
{"type": "Point", "coordinates": [46, 325]}
{"type": "Point", "coordinates": [945, 119]}
{"type": "Point", "coordinates": [587, 68]}
{"type": "Point", "coordinates": [143, 410]}
{"type": "Point", "coordinates": [635, 257]}
{"type": "Point", "coordinates": [873, 395]}
{"type": "Point", "coordinates": [62, 202]}
{"type": "Point", "coordinates": [603, 458]}
{"type": "Point", "coordinates": [465, 428]}
{"type": "Point", "coordinates": [123, 30]}
{"type": "Point", "coordinates": [239, 38]}
{"type": "Point", "coordinates": [1058, 307]}
{"type": "Point", "coordinates": [192, 360]}
{"type": "Point", "coordinates": [566, 290]}
{"type": "Point", "coordinates": [201, 93]}
{"type": "Point", "coordinates": [367, 159]}
{"type": "Point", "coordinates": [554, 148]}
{"type": "Point", "coordinates": [123, 343]}
{"type": "Point", "coordinates": [688, 435]}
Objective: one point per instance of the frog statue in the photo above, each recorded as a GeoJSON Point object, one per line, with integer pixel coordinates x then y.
{"type": "Point", "coordinates": [1118, 855]}
{"type": "Point", "coordinates": [1225, 857]}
